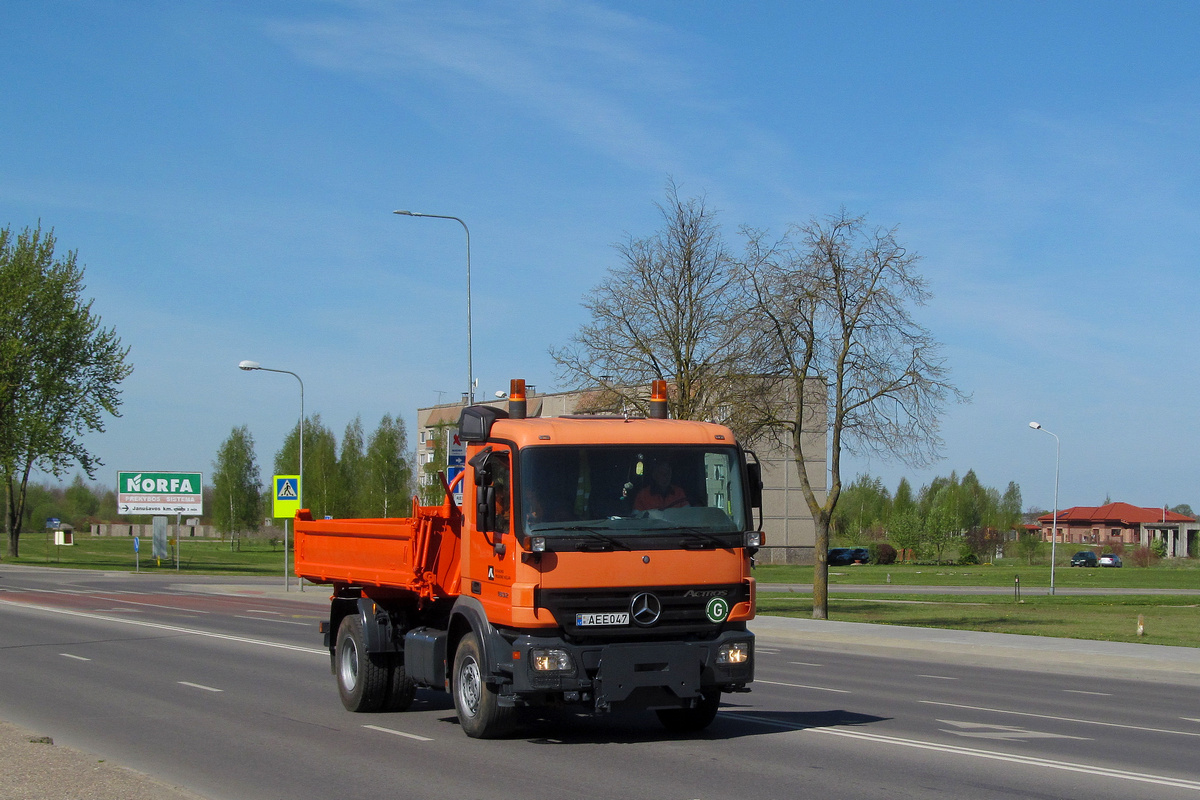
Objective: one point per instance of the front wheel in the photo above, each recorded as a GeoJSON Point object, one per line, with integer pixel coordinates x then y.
{"type": "Point", "coordinates": [477, 703]}
{"type": "Point", "coordinates": [690, 720]}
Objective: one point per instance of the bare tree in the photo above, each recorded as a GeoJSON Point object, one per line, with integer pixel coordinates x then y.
{"type": "Point", "coordinates": [669, 311]}
{"type": "Point", "coordinates": [831, 304]}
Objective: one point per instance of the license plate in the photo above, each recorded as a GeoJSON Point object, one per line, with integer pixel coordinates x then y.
{"type": "Point", "coordinates": [602, 619]}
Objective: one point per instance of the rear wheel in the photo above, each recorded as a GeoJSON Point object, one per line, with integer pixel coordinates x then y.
{"type": "Point", "coordinates": [478, 704]}
{"type": "Point", "coordinates": [363, 680]}
{"type": "Point", "coordinates": [690, 720]}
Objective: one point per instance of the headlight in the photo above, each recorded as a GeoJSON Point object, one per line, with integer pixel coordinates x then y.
{"type": "Point", "coordinates": [537, 544]}
{"type": "Point", "coordinates": [551, 660]}
{"type": "Point", "coordinates": [733, 653]}
{"type": "Point", "coordinates": [753, 538]}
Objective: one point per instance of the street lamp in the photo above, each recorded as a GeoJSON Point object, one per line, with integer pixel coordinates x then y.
{"type": "Point", "coordinates": [470, 374]}
{"type": "Point", "coordinates": [250, 366]}
{"type": "Point", "coordinates": [1054, 528]}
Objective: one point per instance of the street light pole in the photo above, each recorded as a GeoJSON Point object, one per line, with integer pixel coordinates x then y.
{"type": "Point", "coordinates": [1054, 528]}
{"type": "Point", "coordinates": [470, 374]}
{"type": "Point", "coordinates": [250, 366]}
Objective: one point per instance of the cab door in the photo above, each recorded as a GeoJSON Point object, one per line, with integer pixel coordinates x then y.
{"type": "Point", "coordinates": [492, 545]}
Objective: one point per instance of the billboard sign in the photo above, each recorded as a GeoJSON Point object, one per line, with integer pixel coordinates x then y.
{"type": "Point", "coordinates": [160, 493]}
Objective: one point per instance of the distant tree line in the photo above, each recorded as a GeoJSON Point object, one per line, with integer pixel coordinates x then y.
{"type": "Point", "coordinates": [363, 476]}
{"type": "Point", "coordinates": [949, 519]}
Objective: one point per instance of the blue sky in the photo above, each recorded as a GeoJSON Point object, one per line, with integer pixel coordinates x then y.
{"type": "Point", "coordinates": [227, 172]}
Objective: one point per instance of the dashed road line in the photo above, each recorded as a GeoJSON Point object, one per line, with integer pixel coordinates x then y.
{"type": "Point", "coordinates": [199, 686]}
{"type": "Point", "coordinates": [398, 733]}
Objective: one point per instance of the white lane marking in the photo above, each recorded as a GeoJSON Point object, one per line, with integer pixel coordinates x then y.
{"type": "Point", "coordinates": [1061, 719]}
{"type": "Point", "coordinates": [77, 658]}
{"type": "Point", "coordinates": [199, 686]}
{"type": "Point", "coordinates": [1066, 766]}
{"type": "Point", "coordinates": [805, 664]}
{"type": "Point", "coordinates": [1008, 733]}
{"type": "Point", "coordinates": [171, 628]}
{"type": "Point", "coordinates": [260, 611]}
{"type": "Point", "coordinates": [802, 686]}
{"type": "Point", "coordinates": [1189, 719]}
{"type": "Point", "coordinates": [771, 651]}
{"type": "Point", "coordinates": [398, 733]}
{"type": "Point", "coordinates": [277, 621]}
{"type": "Point", "coordinates": [938, 677]}
{"type": "Point", "coordinates": [1093, 694]}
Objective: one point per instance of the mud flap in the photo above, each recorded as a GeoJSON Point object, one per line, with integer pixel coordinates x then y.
{"type": "Point", "coordinates": [627, 668]}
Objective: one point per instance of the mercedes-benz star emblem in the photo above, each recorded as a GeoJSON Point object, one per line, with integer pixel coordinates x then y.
{"type": "Point", "coordinates": [645, 609]}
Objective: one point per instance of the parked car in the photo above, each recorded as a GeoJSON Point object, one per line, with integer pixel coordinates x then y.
{"type": "Point", "coordinates": [1110, 560]}
{"type": "Point", "coordinates": [1085, 558]}
{"type": "Point", "coordinates": [845, 556]}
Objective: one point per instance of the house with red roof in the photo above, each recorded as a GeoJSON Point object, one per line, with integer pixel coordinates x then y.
{"type": "Point", "coordinates": [1122, 523]}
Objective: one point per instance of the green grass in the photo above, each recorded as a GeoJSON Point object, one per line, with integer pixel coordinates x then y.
{"type": "Point", "coordinates": [196, 556]}
{"type": "Point", "coordinates": [1169, 620]}
{"type": "Point", "coordinates": [1182, 573]}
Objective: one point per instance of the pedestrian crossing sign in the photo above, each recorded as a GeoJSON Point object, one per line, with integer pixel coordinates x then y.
{"type": "Point", "coordinates": [287, 496]}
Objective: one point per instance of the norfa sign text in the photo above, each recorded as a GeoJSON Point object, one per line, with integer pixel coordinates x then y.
{"type": "Point", "coordinates": [160, 492]}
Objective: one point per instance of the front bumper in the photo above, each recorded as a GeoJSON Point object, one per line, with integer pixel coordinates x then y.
{"type": "Point", "coordinates": [646, 674]}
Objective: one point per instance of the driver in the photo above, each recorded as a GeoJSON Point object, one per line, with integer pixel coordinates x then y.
{"type": "Point", "coordinates": [660, 493]}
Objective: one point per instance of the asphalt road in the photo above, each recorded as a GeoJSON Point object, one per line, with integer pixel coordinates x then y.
{"type": "Point", "coordinates": [226, 690]}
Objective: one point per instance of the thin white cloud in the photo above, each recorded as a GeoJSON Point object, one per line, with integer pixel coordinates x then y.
{"type": "Point", "coordinates": [588, 70]}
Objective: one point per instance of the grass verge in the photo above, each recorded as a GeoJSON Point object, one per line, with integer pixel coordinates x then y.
{"type": "Point", "coordinates": [1168, 619]}
{"type": "Point", "coordinates": [196, 556]}
{"type": "Point", "coordinates": [1180, 573]}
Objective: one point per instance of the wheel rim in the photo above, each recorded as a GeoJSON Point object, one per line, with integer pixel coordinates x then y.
{"type": "Point", "coordinates": [348, 665]}
{"type": "Point", "coordinates": [470, 686]}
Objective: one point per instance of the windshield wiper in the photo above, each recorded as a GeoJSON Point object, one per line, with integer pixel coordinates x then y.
{"type": "Point", "coordinates": [612, 541]}
{"type": "Point", "coordinates": [700, 539]}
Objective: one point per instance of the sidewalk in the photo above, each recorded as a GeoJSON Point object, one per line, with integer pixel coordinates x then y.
{"type": "Point", "coordinates": [1150, 662]}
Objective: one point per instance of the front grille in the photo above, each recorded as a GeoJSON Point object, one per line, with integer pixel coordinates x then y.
{"type": "Point", "coordinates": [682, 615]}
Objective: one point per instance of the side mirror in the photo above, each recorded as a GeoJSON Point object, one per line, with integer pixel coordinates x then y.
{"type": "Point", "coordinates": [755, 488]}
{"type": "Point", "coordinates": [485, 509]}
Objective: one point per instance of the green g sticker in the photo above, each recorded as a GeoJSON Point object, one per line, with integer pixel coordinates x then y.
{"type": "Point", "coordinates": [717, 609]}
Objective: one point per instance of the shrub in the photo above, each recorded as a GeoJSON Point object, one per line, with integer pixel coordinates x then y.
{"type": "Point", "coordinates": [1142, 556]}
{"type": "Point", "coordinates": [1159, 547]}
{"type": "Point", "coordinates": [883, 553]}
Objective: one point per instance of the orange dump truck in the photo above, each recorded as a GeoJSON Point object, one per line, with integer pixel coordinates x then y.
{"type": "Point", "coordinates": [595, 562]}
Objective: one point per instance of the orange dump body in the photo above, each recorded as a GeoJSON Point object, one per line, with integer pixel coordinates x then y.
{"type": "Point", "coordinates": [418, 554]}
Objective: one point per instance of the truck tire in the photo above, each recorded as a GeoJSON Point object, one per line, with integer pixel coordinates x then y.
{"type": "Point", "coordinates": [477, 703]}
{"type": "Point", "coordinates": [401, 689]}
{"type": "Point", "coordinates": [363, 680]}
{"type": "Point", "coordinates": [690, 720]}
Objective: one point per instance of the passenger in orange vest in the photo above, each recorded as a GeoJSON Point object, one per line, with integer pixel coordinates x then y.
{"type": "Point", "coordinates": [660, 493]}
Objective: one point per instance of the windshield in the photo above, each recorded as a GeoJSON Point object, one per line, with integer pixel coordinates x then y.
{"type": "Point", "coordinates": [631, 490]}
